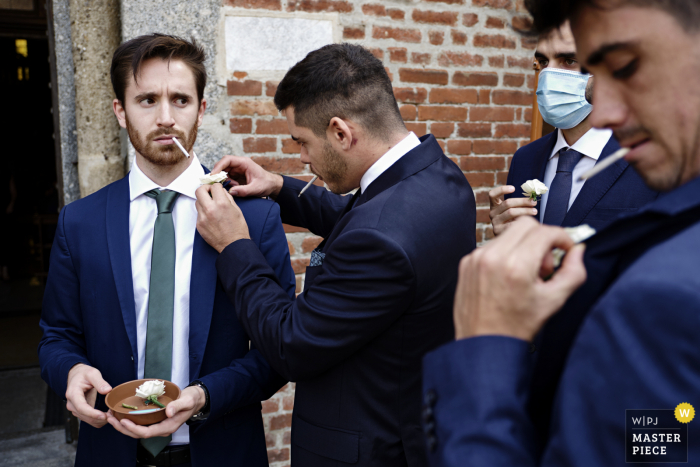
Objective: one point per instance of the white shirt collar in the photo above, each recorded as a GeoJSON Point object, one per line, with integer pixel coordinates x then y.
{"type": "Point", "coordinates": [590, 144]}
{"type": "Point", "coordinates": [388, 159]}
{"type": "Point", "coordinates": [185, 184]}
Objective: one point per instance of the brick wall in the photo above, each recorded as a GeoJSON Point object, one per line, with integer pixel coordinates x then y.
{"type": "Point", "coordinates": [459, 72]}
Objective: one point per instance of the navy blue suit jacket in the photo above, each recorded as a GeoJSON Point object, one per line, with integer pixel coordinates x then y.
{"type": "Point", "coordinates": [636, 348]}
{"type": "Point", "coordinates": [89, 317]}
{"type": "Point", "coordinates": [617, 190]}
{"type": "Point", "coordinates": [382, 298]}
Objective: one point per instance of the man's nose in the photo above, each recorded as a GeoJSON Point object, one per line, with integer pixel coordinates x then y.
{"type": "Point", "coordinates": [165, 116]}
{"type": "Point", "coordinates": [609, 108]}
{"type": "Point", "coordinates": [304, 156]}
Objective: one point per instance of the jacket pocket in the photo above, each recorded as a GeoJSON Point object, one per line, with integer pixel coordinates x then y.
{"type": "Point", "coordinates": [333, 443]}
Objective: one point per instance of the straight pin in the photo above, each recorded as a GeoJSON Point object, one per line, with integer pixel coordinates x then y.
{"type": "Point", "coordinates": [307, 186]}
{"type": "Point", "coordinates": [605, 163]}
{"type": "Point", "coordinates": [187, 154]}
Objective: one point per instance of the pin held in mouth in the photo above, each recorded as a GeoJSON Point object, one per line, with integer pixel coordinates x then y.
{"type": "Point", "coordinates": [187, 154]}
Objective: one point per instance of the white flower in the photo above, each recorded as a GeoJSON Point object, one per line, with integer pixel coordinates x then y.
{"type": "Point", "coordinates": [577, 234]}
{"type": "Point", "coordinates": [534, 188]}
{"type": "Point", "coordinates": [212, 178]}
{"type": "Point", "coordinates": [151, 388]}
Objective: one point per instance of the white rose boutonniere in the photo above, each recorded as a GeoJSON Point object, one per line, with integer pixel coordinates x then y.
{"type": "Point", "coordinates": [151, 391]}
{"type": "Point", "coordinates": [577, 234]}
{"type": "Point", "coordinates": [212, 178]}
{"type": "Point", "coordinates": [534, 189]}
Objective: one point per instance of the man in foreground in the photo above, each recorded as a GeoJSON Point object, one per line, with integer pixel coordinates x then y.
{"type": "Point", "coordinates": [637, 345]}
{"type": "Point", "coordinates": [133, 292]}
{"type": "Point", "coordinates": [380, 287]}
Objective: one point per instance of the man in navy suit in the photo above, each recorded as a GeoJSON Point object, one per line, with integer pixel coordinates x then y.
{"type": "Point", "coordinates": [378, 290]}
{"type": "Point", "coordinates": [133, 291]}
{"type": "Point", "coordinates": [636, 347]}
{"type": "Point", "coordinates": [559, 158]}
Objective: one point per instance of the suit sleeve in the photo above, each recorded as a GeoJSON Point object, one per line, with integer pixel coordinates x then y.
{"type": "Point", "coordinates": [251, 379]}
{"type": "Point", "coordinates": [366, 283]}
{"type": "Point", "coordinates": [475, 393]}
{"type": "Point", "coordinates": [317, 209]}
{"type": "Point", "coordinates": [62, 343]}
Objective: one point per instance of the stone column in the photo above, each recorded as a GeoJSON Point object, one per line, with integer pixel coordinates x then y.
{"type": "Point", "coordinates": [96, 33]}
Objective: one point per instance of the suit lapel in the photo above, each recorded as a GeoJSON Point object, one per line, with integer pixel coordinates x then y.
{"type": "Point", "coordinates": [542, 157]}
{"type": "Point", "coordinates": [203, 282]}
{"type": "Point", "coordinates": [120, 257]}
{"type": "Point", "coordinates": [595, 188]}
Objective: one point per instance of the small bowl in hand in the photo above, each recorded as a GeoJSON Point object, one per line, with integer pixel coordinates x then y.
{"type": "Point", "coordinates": [126, 394]}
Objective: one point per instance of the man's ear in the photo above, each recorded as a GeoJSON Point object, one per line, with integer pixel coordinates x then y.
{"type": "Point", "coordinates": [119, 112]}
{"type": "Point", "coordinates": [340, 132]}
{"type": "Point", "coordinates": [200, 112]}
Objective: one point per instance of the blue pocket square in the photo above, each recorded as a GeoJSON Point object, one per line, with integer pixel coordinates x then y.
{"type": "Point", "coordinates": [317, 258]}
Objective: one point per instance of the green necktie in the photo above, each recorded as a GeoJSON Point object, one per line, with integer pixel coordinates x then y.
{"type": "Point", "coordinates": [161, 300]}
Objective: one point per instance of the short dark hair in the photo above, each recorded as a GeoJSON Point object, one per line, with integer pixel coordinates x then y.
{"type": "Point", "coordinates": [340, 80]}
{"type": "Point", "coordinates": [550, 14]}
{"type": "Point", "coordinates": [129, 56]}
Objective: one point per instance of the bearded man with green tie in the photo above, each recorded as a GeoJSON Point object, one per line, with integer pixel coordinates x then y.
{"type": "Point", "coordinates": [133, 291]}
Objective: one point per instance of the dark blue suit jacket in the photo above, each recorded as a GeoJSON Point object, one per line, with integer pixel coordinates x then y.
{"type": "Point", "coordinates": [89, 317]}
{"type": "Point", "coordinates": [615, 191]}
{"type": "Point", "coordinates": [382, 298]}
{"type": "Point", "coordinates": [637, 348]}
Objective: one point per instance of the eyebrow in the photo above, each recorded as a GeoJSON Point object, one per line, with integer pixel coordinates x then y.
{"type": "Point", "coordinates": [599, 54]}
{"type": "Point", "coordinates": [152, 95]}
{"type": "Point", "coordinates": [564, 55]}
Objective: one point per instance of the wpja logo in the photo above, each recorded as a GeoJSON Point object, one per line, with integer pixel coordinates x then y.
{"type": "Point", "coordinates": [658, 435]}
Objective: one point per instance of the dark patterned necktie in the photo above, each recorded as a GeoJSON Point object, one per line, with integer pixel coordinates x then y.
{"type": "Point", "coordinates": [560, 190]}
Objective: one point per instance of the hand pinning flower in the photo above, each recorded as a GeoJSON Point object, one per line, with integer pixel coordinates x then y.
{"type": "Point", "coordinates": [577, 234]}
{"type": "Point", "coordinates": [212, 178]}
{"type": "Point", "coordinates": [534, 189]}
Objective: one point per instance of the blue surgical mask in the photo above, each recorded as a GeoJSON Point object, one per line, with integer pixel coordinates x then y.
{"type": "Point", "coordinates": [561, 97]}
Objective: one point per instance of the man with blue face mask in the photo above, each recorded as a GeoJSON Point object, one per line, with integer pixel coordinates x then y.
{"type": "Point", "coordinates": [559, 158]}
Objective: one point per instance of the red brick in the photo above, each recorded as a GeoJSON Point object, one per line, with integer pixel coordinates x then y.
{"type": "Point", "coordinates": [293, 229]}
{"type": "Point", "coordinates": [299, 266]}
{"type": "Point", "coordinates": [281, 421]}
{"type": "Point", "coordinates": [501, 178]}
{"type": "Point", "coordinates": [398, 54]}
{"type": "Point", "coordinates": [461, 147]}
{"type": "Point", "coordinates": [522, 23]}
{"type": "Point", "coordinates": [484, 96]}
{"type": "Point", "coordinates": [491, 114]}
{"type": "Point", "coordinates": [395, 13]}
{"type": "Point", "coordinates": [270, 406]}
{"type": "Point", "coordinates": [488, 233]}
{"type": "Point", "coordinates": [441, 143]}
{"type": "Point", "coordinates": [453, 96]}
{"type": "Point", "coordinates": [517, 62]}
{"type": "Point", "coordinates": [239, 74]}
{"type": "Point", "coordinates": [531, 82]}
{"type": "Point", "coordinates": [507, 4]}
{"type": "Point", "coordinates": [483, 146]}
{"type": "Point", "coordinates": [277, 455]}
{"type": "Point", "coordinates": [470, 19]}
{"type": "Point", "coordinates": [288, 403]}
{"type": "Point", "coordinates": [421, 59]}
{"type": "Point", "coordinates": [291, 248]}
{"type": "Point", "coordinates": [413, 95]}
{"type": "Point", "coordinates": [527, 42]}
{"type": "Point", "coordinates": [494, 40]}
{"type": "Point", "coordinates": [374, 9]}
{"type": "Point", "coordinates": [280, 165]}
{"type": "Point", "coordinates": [497, 61]}
{"type": "Point", "coordinates": [442, 130]}
{"type": "Point", "coordinates": [458, 37]}
{"type": "Point", "coordinates": [398, 34]}
{"type": "Point", "coordinates": [479, 235]}
{"type": "Point", "coordinates": [408, 112]}
{"type": "Point", "coordinates": [270, 440]}
{"type": "Point", "coordinates": [436, 37]}
{"type": "Point", "coordinates": [259, 144]}
{"type": "Point", "coordinates": [518, 113]}
{"type": "Point", "coordinates": [448, 18]}
{"type": "Point", "coordinates": [354, 33]}
{"type": "Point", "coordinates": [512, 130]}
{"type": "Point", "coordinates": [277, 126]}
{"type": "Point", "coordinates": [462, 78]}
{"type": "Point", "coordinates": [319, 5]}
{"type": "Point", "coordinates": [389, 73]}
{"type": "Point", "coordinates": [513, 81]}
{"type": "Point", "coordinates": [410, 75]}
{"type": "Point", "coordinates": [378, 53]}
{"type": "Point", "coordinates": [506, 147]}
{"type": "Point", "coordinates": [482, 198]}
{"type": "Point", "coordinates": [459, 59]}
{"type": "Point", "coordinates": [419, 129]}
{"type": "Point", "coordinates": [502, 97]}
{"type": "Point", "coordinates": [496, 23]}
{"type": "Point", "coordinates": [241, 125]}
{"type": "Point", "coordinates": [271, 88]}
{"type": "Point", "coordinates": [527, 115]}
{"type": "Point", "coordinates": [470, 164]}
{"type": "Point", "coordinates": [287, 438]}
{"type": "Point", "coordinates": [482, 216]}
{"type": "Point", "coordinates": [241, 107]}
{"type": "Point", "coordinates": [442, 113]}
{"type": "Point", "coordinates": [480, 179]}
{"type": "Point", "coordinates": [244, 88]}
{"type": "Point", "coordinates": [307, 246]}
{"type": "Point", "coordinates": [289, 146]}
{"type": "Point", "coordinates": [265, 4]}
{"type": "Point", "coordinates": [474, 130]}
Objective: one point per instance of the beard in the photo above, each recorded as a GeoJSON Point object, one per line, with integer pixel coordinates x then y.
{"type": "Point", "coordinates": [156, 153]}
{"type": "Point", "coordinates": [335, 169]}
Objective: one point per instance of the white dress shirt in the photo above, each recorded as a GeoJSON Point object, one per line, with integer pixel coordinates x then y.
{"type": "Point", "coordinates": [388, 159]}
{"type": "Point", "coordinates": [590, 145]}
{"type": "Point", "coordinates": [142, 216]}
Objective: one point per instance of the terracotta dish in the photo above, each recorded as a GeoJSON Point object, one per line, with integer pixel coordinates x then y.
{"type": "Point", "coordinates": [126, 394]}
